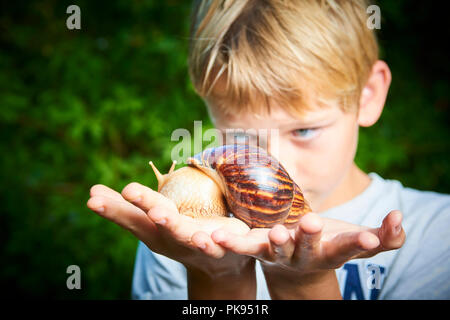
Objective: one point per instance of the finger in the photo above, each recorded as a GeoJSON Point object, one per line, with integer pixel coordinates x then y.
{"type": "Point", "coordinates": [125, 215]}
{"type": "Point", "coordinates": [281, 244]}
{"type": "Point", "coordinates": [309, 232]}
{"type": "Point", "coordinates": [161, 210]}
{"type": "Point", "coordinates": [307, 236]}
{"type": "Point", "coordinates": [203, 242]}
{"type": "Point", "coordinates": [102, 190]}
{"type": "Point", "coordinates": [346, 246]}
{"type": "Point", "coordinates": [391, 233]}
{"type": "Point", "coordinates": [145, 198]}
{"type": "Point", "coordinates": [173, 224]}
{"type": "Point", "coordinates": [158, 207]}
{"type": "Point", "coordinates": [251, 245]}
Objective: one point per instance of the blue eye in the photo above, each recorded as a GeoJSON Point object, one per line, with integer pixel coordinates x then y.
{"type": "Point", "coordinates": [305, 134]}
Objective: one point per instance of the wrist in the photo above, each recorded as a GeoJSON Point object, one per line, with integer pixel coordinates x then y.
{"type": "Point", "coordinates": [222, 285]}
{"type": "Point", "coordinates": [288, 284]}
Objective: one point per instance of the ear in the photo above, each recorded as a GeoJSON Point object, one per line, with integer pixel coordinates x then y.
{"type": "Point", "coordinates": [374, 93]}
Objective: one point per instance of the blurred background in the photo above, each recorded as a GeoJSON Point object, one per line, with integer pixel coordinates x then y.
{"type": "Point", "coordinates": [80, 107]}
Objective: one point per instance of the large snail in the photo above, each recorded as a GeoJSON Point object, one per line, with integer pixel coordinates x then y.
{"type": "Point", "coordinates": [255, 186]}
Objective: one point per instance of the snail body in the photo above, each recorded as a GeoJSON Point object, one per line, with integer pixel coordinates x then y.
{"type": "Point", "coordinates": [194, 193]}
{"type": "Point", "coordinates": [247, 180]}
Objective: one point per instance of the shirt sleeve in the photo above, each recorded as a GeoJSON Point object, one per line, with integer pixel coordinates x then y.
{"type": "Point", "coordinates": [157, 277]}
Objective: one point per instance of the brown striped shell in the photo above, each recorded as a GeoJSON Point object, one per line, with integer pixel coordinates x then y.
{"type": "Point", "coordinates": [257, 188]}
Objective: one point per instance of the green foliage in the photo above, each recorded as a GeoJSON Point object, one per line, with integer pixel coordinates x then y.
{"type": "Point", "coordinates": [80, 108]}
{"type": "Point", "coordinates": [411, 141]}
{"type": "Point", "coordinates": [95, 105]}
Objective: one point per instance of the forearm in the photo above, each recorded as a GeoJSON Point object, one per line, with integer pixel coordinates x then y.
{"type": "Point", "coordinates": [233, 286]}
{"type": "Point", "coordinates": [321, 285]}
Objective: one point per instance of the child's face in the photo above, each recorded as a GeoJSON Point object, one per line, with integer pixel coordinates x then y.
{"type": "Point", "coordinates": [317, 149]}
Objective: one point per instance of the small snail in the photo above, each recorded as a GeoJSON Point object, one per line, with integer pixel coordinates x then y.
{"type": "Point", "coordinates": [243, 179]}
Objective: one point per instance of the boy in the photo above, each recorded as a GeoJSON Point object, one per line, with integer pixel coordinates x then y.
{"type": "Point", "coordinates": [310, 70]}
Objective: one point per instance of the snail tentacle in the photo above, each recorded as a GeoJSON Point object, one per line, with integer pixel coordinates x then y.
{"type": "Point", "coordinates": [158, 175]}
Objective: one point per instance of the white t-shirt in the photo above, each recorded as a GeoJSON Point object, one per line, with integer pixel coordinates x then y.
{"type": "Point", "coordinates": [419, 270]}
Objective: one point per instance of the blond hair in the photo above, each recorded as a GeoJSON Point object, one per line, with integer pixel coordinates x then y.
{"type": "Point", "coordinates": [247, 54]}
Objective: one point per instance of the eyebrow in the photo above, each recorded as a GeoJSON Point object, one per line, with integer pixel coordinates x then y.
{"type": "Point", "coordinates": [290, 123]}
{"type": "Point", "coordinates": [319, 121]}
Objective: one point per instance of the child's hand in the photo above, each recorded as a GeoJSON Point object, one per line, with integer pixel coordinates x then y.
{"type": "Point", "coordinates": [316, 246]}
{"type": "Point", "coordinates": [316, 243]}
{"type": "Point", "coordinates": [155, 220]}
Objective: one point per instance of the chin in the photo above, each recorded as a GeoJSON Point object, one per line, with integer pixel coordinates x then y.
{"type": "Point", "coordinates": [314, 198]}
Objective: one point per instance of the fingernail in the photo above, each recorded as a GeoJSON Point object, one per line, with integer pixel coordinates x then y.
{"type": "Point", "coordinates": [398, 216]}
{"type": "Point", "coordinates": [136, 200]}
{"type": "Point", "coordinates": [277, 249]}
{"type": "Point", "coordinates": [202, 246]}
{"type": "Point", "coordinates": [161, 222]}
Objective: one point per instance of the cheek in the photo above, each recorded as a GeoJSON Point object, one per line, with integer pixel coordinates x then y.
{"type": "Point", "coordinates": [322, 165]}
{"type": "Point", "coordinates": [336, 151]}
